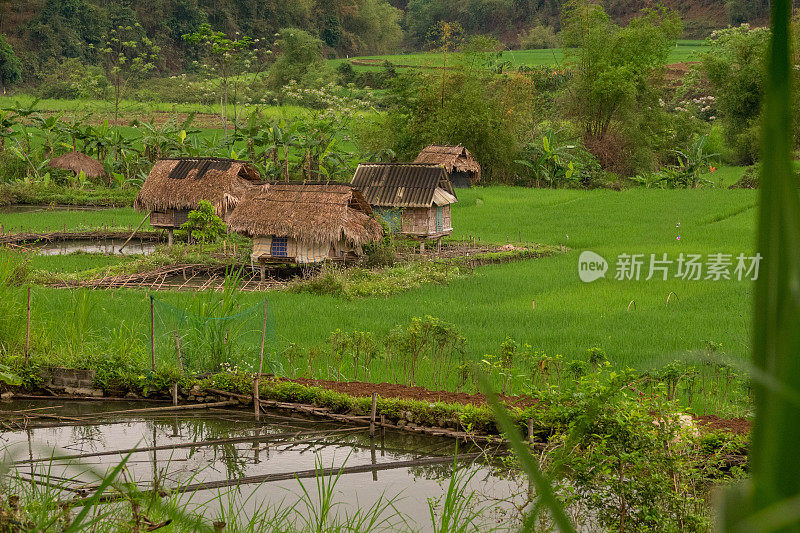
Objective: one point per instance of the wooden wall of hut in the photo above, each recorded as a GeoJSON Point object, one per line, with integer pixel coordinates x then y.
{"type": "Point", "coordinates": [172, 218]}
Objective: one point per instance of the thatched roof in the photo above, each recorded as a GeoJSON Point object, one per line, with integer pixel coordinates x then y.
{"type": "Point", "coordinates": [318, 212]}
{"type": "Point", "coordinates": [403, 184]}
{"type": "Point", "coordinates": [181, 184]}
{"type": "Point", "coordinates": [452, 157]}
{"type": "Point", "coordinates": [78, 162]}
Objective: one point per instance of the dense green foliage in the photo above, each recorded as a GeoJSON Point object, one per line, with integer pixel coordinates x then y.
{"type": "Point", "coordinates": [734, 66]}
{"type": "Point", "coordinates": [10, 65]}
{"type": "Point", "coordinates": [46, 32]}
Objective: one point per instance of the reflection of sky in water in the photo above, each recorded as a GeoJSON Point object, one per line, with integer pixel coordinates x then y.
{"type": "Point", "coordinates": [90, 246]}
{"type": "Point", "coordinates": [413, 486]}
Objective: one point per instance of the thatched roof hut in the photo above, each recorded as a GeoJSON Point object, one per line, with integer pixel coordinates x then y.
{"type": "Point", "coordinates": [175, 186]}
{"type": "Point", "coordinates": [413, 198]}
{"type": "Point", "coordinates": [305, 223]}
{"type": "Point", "coordinates": [462, 169]}
{"type": "Point", "coordinates": [78, 162]}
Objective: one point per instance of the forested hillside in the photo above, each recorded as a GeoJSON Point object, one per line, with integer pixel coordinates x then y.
{"type": "Point", "coordinates": [43, 32]}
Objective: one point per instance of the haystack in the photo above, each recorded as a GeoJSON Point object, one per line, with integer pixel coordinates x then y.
{"type": "Point", "coordinates": [78, 162]}
{"type": "Point", "coordinates": [462, 169]}
{"type": "Point", "coordinates": [305, 223]}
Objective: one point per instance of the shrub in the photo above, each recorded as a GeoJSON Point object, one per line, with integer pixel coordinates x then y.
{"type": "Point", "coordinates": [203, 224]}
{"type": "Point", "coordinates": [381, 253]}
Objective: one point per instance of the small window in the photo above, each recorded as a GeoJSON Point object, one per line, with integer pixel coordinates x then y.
{"type": "Point", "coordinates": [278, 248]}
{"type": "Point", "coordinates": [439, 218]}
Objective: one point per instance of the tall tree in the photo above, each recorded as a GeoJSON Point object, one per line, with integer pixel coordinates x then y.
{"type": "Point", "coordinates": [126, 54]}
{"type": "Point", "coordinates": [613, 65]}
{"type": "Point", "coordinates": [227, 58]}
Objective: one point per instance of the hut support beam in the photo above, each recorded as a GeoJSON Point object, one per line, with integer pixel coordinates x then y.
{"type": "Point", "coordinates": [169, 237]}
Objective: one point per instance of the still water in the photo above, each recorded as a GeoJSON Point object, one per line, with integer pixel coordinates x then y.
{"type": "Point", "coordinates": [298, 444]}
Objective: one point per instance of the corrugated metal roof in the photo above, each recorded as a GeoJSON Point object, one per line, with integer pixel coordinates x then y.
{"type": "Point", "coordinates": [202, 165]}
{"type": "Point", "coordinates": [400, 184]}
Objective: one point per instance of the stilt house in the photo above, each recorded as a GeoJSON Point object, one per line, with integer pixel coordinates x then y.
{"type": "Point", "coordinates": [305, 223]}
{"type": "Point", "coordinates": [175, 186]}
{"type": "Point", "coordinates": [414, 199]}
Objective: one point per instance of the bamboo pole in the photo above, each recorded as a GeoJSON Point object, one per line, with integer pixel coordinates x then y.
{"type": "Point", "coordinates": [134, 233]}
{"type": "Point", "coordinates": [285, 476]}
{"type": "Point", "coordinates": [181, 445]}
{"type": "Point", "coordinates": [175, 393]}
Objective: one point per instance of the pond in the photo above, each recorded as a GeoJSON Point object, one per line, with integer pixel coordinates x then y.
{"type": "Point", "coordinates": [413, 469]}
{"type": "Point", "coordinates": [100, 246]}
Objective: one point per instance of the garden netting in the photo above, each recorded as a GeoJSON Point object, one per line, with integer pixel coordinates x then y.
{"type": "Point", "coordinates": [217, 332]}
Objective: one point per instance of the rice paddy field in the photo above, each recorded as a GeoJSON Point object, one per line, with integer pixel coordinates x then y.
{"type": "Point", "coordinates": [542, 302]}
{"type": "Point", "coordinates": [685, 50]}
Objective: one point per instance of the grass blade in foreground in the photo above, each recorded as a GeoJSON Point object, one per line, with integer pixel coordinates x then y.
{"type": "Point", "coordinates": [776, 346]}
{"type": "Point", "coordinates": [529, 465]}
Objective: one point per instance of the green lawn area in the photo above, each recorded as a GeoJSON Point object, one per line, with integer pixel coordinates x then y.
{"type": "Point", "coordinates": [497, 302]}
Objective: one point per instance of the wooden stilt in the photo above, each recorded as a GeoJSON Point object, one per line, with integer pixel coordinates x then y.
{"type": "Point", "coordinates": [175, 393]}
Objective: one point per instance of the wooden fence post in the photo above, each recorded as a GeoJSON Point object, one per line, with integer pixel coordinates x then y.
{"type": "Point", "coordinates": [372, 415]}
{"type": "Point", "coordinates": [177, 349]}
{"type": "Point", "coordinates": [256, 400]}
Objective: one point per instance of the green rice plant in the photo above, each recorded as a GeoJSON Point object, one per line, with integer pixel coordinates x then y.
{"type": "Point", "coordinates": [318, 513]}
{"type": "Point", "coordinates": [12, 302]}
{"type": "Point", "coordinates": [457, 510]}
{"type": "Point", "coordinates": [78, 332]}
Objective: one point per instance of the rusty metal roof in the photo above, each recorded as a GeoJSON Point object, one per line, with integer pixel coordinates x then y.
{"type": "Point", "coordinates": [201, 164]}
{"type": "Point", "coordinates": [400, 184]}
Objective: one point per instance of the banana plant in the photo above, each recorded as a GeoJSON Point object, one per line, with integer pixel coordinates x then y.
{"type": "Point", "coordinates": [8, 123]}
{"type": "Point", "coordinates": [52, 131]}
{"type": "Point", "coordinates": [551, 162]}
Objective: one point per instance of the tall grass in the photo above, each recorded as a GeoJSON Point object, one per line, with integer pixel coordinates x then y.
{"type": "Point", "coordinates": [774, 503]}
